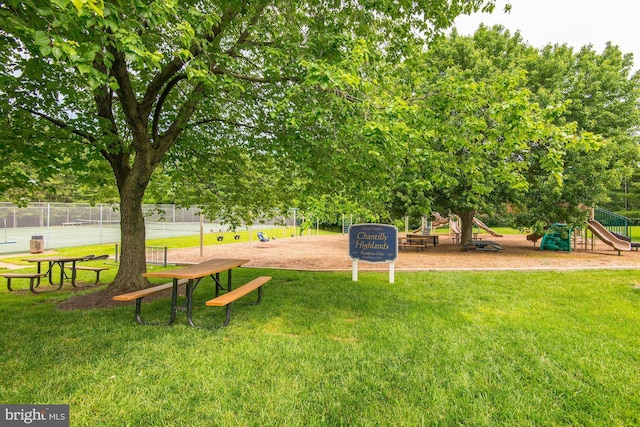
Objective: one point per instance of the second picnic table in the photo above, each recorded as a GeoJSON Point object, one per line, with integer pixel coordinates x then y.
{"type": "Point", "coordinates": [60, 261]}
{"type": "Point", "coordinates": [417, 241]}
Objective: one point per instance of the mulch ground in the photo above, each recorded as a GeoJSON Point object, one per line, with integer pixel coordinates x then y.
{"type": "Point", "coordinates": [330, 253]}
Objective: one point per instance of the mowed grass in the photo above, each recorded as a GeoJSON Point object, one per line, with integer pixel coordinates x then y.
{"type": "Point", "coordinates": [435, 348]}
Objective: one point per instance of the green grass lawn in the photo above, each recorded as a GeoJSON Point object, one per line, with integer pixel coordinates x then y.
{"type": "Point", "coordinates": [437, 348]}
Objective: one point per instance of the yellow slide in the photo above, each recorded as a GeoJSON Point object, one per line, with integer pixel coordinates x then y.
{"type": "Point", "coordinates": [607, 237]}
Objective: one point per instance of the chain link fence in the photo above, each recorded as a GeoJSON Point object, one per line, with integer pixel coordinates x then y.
{"type": "Point", "coordinates": [70, 224]}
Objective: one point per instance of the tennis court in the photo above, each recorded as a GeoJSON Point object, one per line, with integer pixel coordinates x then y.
{"type": "Point", "coordinates": [13, 240]}
{"type": "Point", "coordinates": [73, 224]}
{"type": "Point", "coordinates": [76, 224]}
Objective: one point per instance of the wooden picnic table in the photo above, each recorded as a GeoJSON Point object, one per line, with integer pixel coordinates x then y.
{"type": "Point", "coordinates": [483, 246]}
{"type": "Point", "coordinates": [59, 261]}
{"type": "Point", "coordinates": [423, 238]}
{"type": "Point", "coordinates": [407, 242]}
{"type": "Point", "coordinates": [193, 274]}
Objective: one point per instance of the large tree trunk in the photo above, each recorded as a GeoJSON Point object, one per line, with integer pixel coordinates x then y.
{"type": "Point", "coordinates": [466, 226]}
{"type": "Point", "coordinates": [132, 231]}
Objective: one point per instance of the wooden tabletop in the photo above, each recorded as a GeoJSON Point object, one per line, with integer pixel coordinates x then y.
{"type": "Point", "coordinates": [56, 259]}
{"type": "Point", "coordinates": [197, 271]}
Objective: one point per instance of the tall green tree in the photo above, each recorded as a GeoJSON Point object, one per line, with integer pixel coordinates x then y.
{"type": "Point", "coordinates": [476, 129]}
{"type": "Point", "coordinates": [128, 81]}
{"type": "Point", "coordinates": [601, 95]}
{"type": "Point", "coordinates": [492, 121]}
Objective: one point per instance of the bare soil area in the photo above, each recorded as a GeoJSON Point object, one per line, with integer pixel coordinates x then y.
{"type": "Point", "coordinates": [331, 253]}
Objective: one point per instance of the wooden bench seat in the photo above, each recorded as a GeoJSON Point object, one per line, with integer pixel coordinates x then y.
{"type": "Point", "coordinates": [416, 246]}
{"type": "Point", "coordinates": [140, 294]}
{"type": "Point", "coordinates": [34, 279]}
{"type": "Point", "coordinates": [239, 292]}
{"type": "Point", "coordinates": [97, 270]}
{"type": "Point", "coordinates": [137, 295]}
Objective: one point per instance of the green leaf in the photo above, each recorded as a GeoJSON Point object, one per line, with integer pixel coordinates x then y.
{"type": "Point", "coordinates": [41, 38]}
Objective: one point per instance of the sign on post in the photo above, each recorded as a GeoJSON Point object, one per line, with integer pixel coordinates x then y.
{"type": "Point", "coordinates": [373, 243]}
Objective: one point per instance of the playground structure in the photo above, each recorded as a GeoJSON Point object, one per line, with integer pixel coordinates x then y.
{"type": "Point", "coordinates": [429, 227]}
{"type": "Point", "coordinates": [608, 237]}
{"type": "Point", "coordinates": [482, 225]}
{"type": "Point", "coordinates": [557, 238]}
{"type": "Point", "coordinates": [454, 227]}
{"type": "Point", "coordinates": [608, 227]}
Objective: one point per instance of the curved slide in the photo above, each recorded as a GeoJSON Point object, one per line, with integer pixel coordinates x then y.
{"type": "Point", "coordinates": [455, 228]}
{"type": "Point", "coordinates": [484, 227]}
{"type": "Point", "coordinates": [607, 237]}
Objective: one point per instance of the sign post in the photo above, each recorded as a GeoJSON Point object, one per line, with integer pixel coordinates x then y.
{"type": "Point", "coordinates": [373, 243]}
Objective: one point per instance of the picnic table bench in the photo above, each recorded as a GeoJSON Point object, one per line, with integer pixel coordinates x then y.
{"type": "Point", "coordinates": [51, 261]}
{"type": "Point", "coordinates": [225, 300]}
{"type": "Point", "coordinates": [191, 276]}
{"type": "Point", "coordinates": [405, 243]}
{"type": "Point", "coordinates": [96, 270]}
{"type": "Point", "coordinates": [142, 293]}
{"type": "Point", "coordinates": [34, 279]}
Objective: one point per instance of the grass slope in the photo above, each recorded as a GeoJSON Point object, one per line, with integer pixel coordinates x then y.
{"type": "Point", "coordinates": [482, 349]}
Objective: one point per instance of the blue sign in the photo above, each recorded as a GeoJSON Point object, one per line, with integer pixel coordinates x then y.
{"type": "Point", "coordinates": [373, 242]}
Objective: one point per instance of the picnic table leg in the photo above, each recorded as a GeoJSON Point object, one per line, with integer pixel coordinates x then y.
{"type": "Point", "coordinates": [174, 308]}
{"type": "Point", "coordinates": [191, 287]}
{"type": "Point", "coordinates": [229, 280]}
{"type": "Point", "coordinates": [189, 302]}
{"type": "Point", "coordinates": [38, 274]}
{"type": "Point", "coordinates": [174, 301]}
{"type": "Point", "coordinates": [73, 273]}
{"type": "Point", "coordinates": [31, 284]}
{"type": "Point", "coordinates": [61, 265]}
{"type": "Point", "coordinates": [50, 272]}
{"type": "Point", "coordinates": [216, 279]}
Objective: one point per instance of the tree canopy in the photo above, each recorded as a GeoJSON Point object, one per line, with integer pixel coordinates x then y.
{"type": "Point", "coordinates": [490, 122]}
{"type": "Point", "coordinates": [241, 97]}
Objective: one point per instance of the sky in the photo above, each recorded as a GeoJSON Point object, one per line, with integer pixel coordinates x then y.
{"type": "Point", "coordinates": [574, 22]}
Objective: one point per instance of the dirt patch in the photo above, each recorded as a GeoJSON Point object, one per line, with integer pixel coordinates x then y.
{"type": "Point", "coordinates": [331, 253]}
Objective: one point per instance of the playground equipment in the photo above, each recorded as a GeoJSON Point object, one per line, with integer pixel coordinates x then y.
{"type": "Point", "coordinates": [439, 220]}
{"type": "Point", "coordinates": [427, 227]}
{"type": "Point", "coordinates": [482, 225]}
{"type": "Point", "coordinates": [613, 231]}
{"type": "Point", "coordinates": [617, 224]}
{"type": "Point", "coordinates": [608, 237]}
{"type": "Point", "coordinates": [346, 224]}
{"type": "Point", "coordinates": [454, 227]}
{"type": "Point", "coordinates": [557, 238]}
